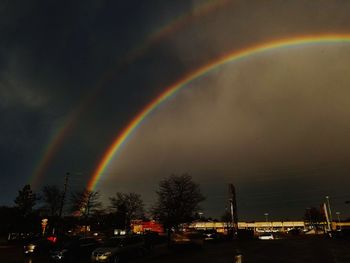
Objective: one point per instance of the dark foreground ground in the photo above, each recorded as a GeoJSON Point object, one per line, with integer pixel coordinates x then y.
{"type": "Point", "coordinates": [293, 250]}
{"type": "Point", "coordinates": [305, 250]}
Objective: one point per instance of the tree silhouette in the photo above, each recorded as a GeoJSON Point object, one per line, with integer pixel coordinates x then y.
{"type": "Point", "coordinates": [128, 206]}
{"type": "Point", "coordinates": [178, 200]}
{"type": "Point", "coordinates": [85, 202]}
{"type": "Point", "coordinates": [313, 216]}
{"type": "Point", "coordinates": [52, 198]}
{"type": "Point", "coordinates": [25, 201]}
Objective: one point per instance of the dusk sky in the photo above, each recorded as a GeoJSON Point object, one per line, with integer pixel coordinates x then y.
{"type": "Point", "coordinates": [276, 124]}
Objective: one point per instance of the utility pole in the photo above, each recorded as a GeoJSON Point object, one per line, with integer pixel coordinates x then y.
{"type": "Point", "coordinates": [326, 213]}
{"type": "Point", "coordinates": [329, 211]}
{"type": "Point", "coordinates": [64, 194]}
{"type": "Point", "coordinates": [233, 210]}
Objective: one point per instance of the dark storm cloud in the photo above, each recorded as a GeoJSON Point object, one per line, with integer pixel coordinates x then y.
{"type": "Point", "coordinates": [53, 53]}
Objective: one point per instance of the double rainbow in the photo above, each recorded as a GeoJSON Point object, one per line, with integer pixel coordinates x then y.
{"type": "Point", "coordinates": [55, 141]}
{"type": "Point", "coordinates": [233, 56]}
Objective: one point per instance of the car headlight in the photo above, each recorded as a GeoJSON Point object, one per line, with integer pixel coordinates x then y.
{"type": "Point", "coordinates": [105, 255]}
{"type": "Point", "coordinates": [29, 248]}
{"type": "Point", "coordinates": [61, 253]}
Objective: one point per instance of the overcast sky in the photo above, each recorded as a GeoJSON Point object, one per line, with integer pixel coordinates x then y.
{"type": "Point", "coordinates": [274, 124]}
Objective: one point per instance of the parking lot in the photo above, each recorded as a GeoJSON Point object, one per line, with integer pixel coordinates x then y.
{"type": "Point", "coordinates": [304, 250]}
{"type": "Point", "coordinates": [298, 249]}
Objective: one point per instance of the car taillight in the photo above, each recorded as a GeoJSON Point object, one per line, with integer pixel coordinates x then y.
{"type": "Point", "coordinates": [52, 239]}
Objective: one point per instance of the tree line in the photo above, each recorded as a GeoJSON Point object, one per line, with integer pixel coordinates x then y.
{"type": "Point", "coordinates": [177, 202]}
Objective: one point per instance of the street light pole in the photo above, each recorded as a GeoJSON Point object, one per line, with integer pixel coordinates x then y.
{"type": "Point", "coordinates": [200, 215]}
{"type": "Point", "coordinates": [266, 217]}
{"type": "Point", "coordinates": [338, 213]}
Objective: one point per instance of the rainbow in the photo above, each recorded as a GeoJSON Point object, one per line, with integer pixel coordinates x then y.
{"type": "Point", "coordinates": [173, 26]}
{"type": "Point", "coordinates": [232, 56]}
{"type": "Point", "coordinates": [57, 138]}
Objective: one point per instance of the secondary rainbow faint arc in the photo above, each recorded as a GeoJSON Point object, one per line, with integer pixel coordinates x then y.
{"type": "Point", "coordinates": [171, 90]}
{"type": "Point", "coordinates": [57, 138]}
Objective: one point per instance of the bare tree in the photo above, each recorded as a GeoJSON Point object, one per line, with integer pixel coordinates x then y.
{"type": "Point", "coordinates": [85, 202]}
{"type": "Point", "coordinates": [52, 198]}
{"type": "Point", "coordinates": [314, 217]}
{"type": "Point", "coordinates": [128, 205]}
{"type": "Point", "coordinates": [178, 200]}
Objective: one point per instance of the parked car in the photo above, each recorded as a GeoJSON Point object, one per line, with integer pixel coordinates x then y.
{"type": "Point", "coordinates": [117, 249]}
{"type": "Point", "coordinates": [74, 250]}
{"type": "Point", "coordinates": [210, 235]}
{"type": "Point", "coordinates": [151, 239]}
{"type": "Point", "coordinates": [37, 246]}
{"type": "Point", "coordinates": [187, 238]}
{"type": "Point", "coordinates": [21, 237]}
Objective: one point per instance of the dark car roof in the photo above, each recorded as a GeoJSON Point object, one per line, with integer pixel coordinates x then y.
{"type": "Point", "coordinates": [76, 241]}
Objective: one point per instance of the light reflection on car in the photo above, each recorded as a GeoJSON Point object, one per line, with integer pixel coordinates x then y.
{"type": "Point", "coordinates": [117, 248]}
{"type": "Point", "coordinates": [74, 250]}
{"type": "Point", "coordinates": [187, 238]}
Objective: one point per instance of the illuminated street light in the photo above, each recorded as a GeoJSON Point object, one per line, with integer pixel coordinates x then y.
{"type": "Point", "coordinates": [200, 215]}
{"type": "Point", "coordinates": [266, 218]}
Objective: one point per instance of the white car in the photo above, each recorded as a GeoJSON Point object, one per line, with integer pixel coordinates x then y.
{"type": "Point", "coordinates": [266, 236]}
